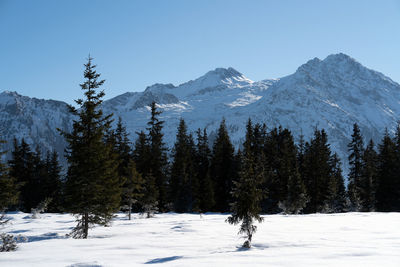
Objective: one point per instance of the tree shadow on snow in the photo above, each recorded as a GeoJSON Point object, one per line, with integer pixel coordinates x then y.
{"type": "Point", "coordinates": [85, 264]}
{"type": "Point", "coordinates": [19, 231]}
{"type": "Point", "coordinates": [162, 260]}
{"type": "Point", "coordinates": [46, 236]}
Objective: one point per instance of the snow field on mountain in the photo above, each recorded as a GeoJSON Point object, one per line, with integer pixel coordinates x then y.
{"type": "Point", "coordinates": [350, 239]}
{"type": "Point", "coordinates": [333, 93]}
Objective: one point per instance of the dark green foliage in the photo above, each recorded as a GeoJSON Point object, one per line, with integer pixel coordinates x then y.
{"type": "Point", "coordinates": [283, 180]}
{"type": "Point", "coordinates": [141, 153]}
{"type": "Point", "coordinates": [93, 190]}
{"type": "Point", "coordinates": [369, 176]}
{"type": "Point", "coordinates": [142, 156]}
{"type": "Point", "coordinates": [292, 194]}
{"type": "Point", "coordinates": [356, 149]}
{"type": "Point", "coordinates": [222, 169]}
{"type": "Point", "coordinates": [118, 138]}
{"type": "Point", "coordinates": [183, 183]}
{"type": "Point", "coordinates": [39, 178]}
{"type": "Point", "coordinates": [149, 201]}
{"type": "Point", "coordinates": [122, 148]}
{"type": "Point", "coordinates": [158, 162]}
{"type": "Point", "coordinates": [247, 193]}
{"type": "Point", "coordinates": [53, 185]}
{"type": "Point", "coordinates": [336, 191]}
{"type": "Point", "coordinates": [133, 189]}
{"type": "Point", "coordinates": [21, 168]}
{"type": "Point", "coordinates": [387, 195]}
{"type": "Point", "coordinates": [202, 160]}
{"type": "Point", "coordinates": [317, 171]}
{"type": "Point", "coordinates": [7, 242]}
{"type": "Point", "coordinates": [8, 186]}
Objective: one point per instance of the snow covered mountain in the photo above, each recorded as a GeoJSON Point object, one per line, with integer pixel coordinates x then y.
{"type": "Point", "coordinates": [34, 119]}
{"type": "Point", "coordinates": [332, 93]}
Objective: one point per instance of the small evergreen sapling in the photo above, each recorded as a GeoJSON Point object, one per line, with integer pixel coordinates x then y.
{"type": "Point", "coordinates": [42, 207]}
{"type": "Point", "coordinates": [247, 193]}
{"type": "Point", "coordinates": [246, 207]}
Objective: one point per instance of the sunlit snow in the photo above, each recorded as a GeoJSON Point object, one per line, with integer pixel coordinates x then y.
{"type": "Point", "coordinates": [350, 239]}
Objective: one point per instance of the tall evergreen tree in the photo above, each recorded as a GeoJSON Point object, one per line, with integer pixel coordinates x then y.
{"type": "Point", "coordinates": [158, 157]}
{"type": "Point", "coordinates": [271, 166]}
{"type": "Point", "coordinates": [183, 182]}
{"type": "Point", "coordinates": [21, 168]}
{"type": "Point", "coordinates": [38, 179]}
{"type": "Point", "coordinates": [336, 191]}
{"type": "Point", "coordinates": [292, 196]}
{"type": "Point", "coordinates": [202, 159]}
{"type": "Point", "coordinates": [53, 185]}
{"type": "Point", "coordinates": [141, 153]}
{"type": "Point", "coordinates": [93, 189]}
{"type": "Point", "coordinates": [369, 178]}
{"type": "Point", "coordinates": [247, 192]}
{"type": "Point", "coordinates": [8, 186]}
{"type": "Point", "coordinates": [386, 195]}
{"type": "Point", "coordinates": [142, 158]}
{"type": "Point", "coordinates": [356, 148]}
{"type": "Point", "coordinates": [317, 171]}
{"type": "Point", "coordinates": [222, 168]}
{"type": "Point", "coordinates": [396, 180]}
{"type": "Point", "coordinates": [133, 188]}
{"type": "Point", "coordinates": [122, 147]}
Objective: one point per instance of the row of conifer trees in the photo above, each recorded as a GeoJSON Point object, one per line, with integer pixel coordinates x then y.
{"type": "Point", "coordinates": [270, 173]}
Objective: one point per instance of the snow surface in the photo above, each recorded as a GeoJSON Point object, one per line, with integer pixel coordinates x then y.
{"type": "Point", "coordinates": [352, 239]}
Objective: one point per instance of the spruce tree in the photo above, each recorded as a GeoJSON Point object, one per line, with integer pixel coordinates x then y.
{"type": "Point", "coordinates": [38, 180]}
{"type": "Point", "coordinates": [247, 193]}
{"type": "Point", "coordinates": [142, 158]}
{"type": "Point", "coordinates": [202, 159]}
{"type": "Point", "coordinates": [8, 186]}
{"type": "Point", "coordinates": [158, 163]}
{"type": "Point", "coordinates": [141, 153]}
{"type": "Point", "coordinates": [183, 181]}
{"type": "Point", "coordinates": [53, 185]}
{"type": "Point", "coordinates": [150, 196]}
{"type": "Point", "coordinates": [222, 168]}
{"type": "Point", "coordinates": [356, 148]}
{"type": "Point", "coordinates": [292, 196]}
{"type": "Point", "coordinates": [93, 189]}
{"type": "Point", "coordinates": [133, 189]}
{"type": "Point", "coordinates": [21, 168]}
{"type": "Point", "coordinates": [336, 191]}
{"type": "Point", "coordinates": [122, 147]}
{"type": "Point", "coordinates": [317, 171]}
{"type": "Point", "coordinates": [386, 195]}
{"type": "Point", "coordinates": [271, 166]}
{"type": "Point", "coordinates": [396, 179]}
{"type": "Point", "coordinates": [369, 178]}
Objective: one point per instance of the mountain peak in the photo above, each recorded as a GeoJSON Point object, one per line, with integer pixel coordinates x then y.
{"type": "Point", "coordinates": [339, 57]}
{"type": "Point", "coordinates": [224, 73]}
{"type": "Point", "coordinates": [9, 93]}
{"type": "Point", "coordinates": [334, 61]}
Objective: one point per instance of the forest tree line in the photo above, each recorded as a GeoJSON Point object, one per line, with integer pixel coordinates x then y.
{"type": "Point", "coordinates": [107, 172]}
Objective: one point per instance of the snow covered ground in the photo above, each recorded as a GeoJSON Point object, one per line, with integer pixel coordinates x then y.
{"type": "Point", "coordinates": [353, 239]}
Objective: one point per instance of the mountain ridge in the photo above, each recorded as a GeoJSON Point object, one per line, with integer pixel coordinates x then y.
{"type": "Point", "coordinates": [332, 93]}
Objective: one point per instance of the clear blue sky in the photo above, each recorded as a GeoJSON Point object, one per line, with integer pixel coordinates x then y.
{"type": "Point", "coordinates": [43, 44]}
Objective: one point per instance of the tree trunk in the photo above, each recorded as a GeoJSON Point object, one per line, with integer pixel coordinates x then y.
{"type": "Point", "coordinates": [85, 225]}
{"type": "Point", "coordinates": [130, 208]}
